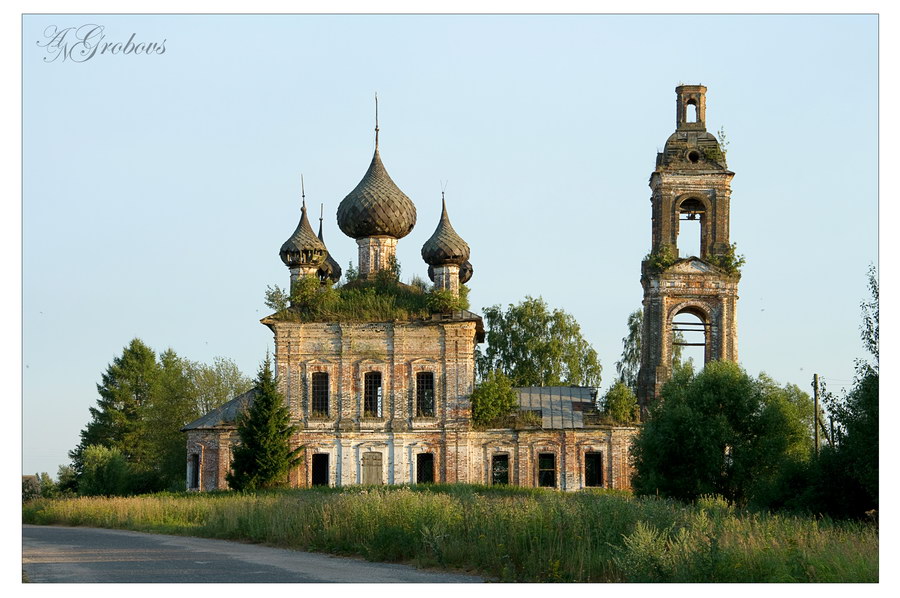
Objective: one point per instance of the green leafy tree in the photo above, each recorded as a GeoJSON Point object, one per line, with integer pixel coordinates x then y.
{"type": "Point", "coordinates": [49, 488]}
{"type": "Point", "coordinates": [66, 482]}
{"type": "Point", "coordinates": [173, 404]}
{"type": "Point", "coordinates": [719, 432]}
{"type": "Point", "coordinates": [263, 457]}
{"type": "Point", "coordinates": [105, 472]}
{"type": "Point", "coordinates": [493, 398]}
{"type": "Point", "coordinates": [630, 364]}
{"type": "Point", "coordinates": [216, 384]}
{"type": "Point", "coordinates": [620, 404]}
{"type": "Point", "coordinates": [31, 487]}
{"type": "Point", "coordinates": [536, 346]}
{"type": "Point", "coordinates": [845, 477]}
{"type": "Point", "coordinates": [276, 298]}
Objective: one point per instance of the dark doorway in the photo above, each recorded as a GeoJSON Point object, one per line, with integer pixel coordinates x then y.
{"type": "Point", "coordinates": [371, 468]}
{"type": "Point", "coordinates": [195, 471]}
{"type": "Point", "coordinates": [547, 470]}
{"type": "Point", "coordinates": [593, 470]}
{"type": "Point", "coordinates": [499, 469]}
{"type": "Point", "coordinates": [320, 469]}
{"type": "Point", "coordinates": [425, 468]}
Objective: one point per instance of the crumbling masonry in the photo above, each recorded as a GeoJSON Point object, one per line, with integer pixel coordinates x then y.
{"type": "Point", "coordinates": [691, 182]}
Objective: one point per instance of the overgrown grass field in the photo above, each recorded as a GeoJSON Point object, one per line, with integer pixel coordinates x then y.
{"type": "Point", "coordinates": [510, 534]}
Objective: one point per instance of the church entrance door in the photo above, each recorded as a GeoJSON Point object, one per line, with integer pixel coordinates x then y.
{"type": "Point", "coordinates": [371, 468]}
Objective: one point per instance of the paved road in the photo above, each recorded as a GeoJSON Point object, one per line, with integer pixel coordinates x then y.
{"type": "Point", "coordinates": [88, 555]}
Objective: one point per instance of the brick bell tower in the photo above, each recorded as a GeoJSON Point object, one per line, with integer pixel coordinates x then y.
{"type": "Point", "coordinates": [691, 182]}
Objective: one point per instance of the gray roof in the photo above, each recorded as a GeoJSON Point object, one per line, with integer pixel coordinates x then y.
{"type": "Point", "coordinates": [445, 246]}
{"type": "Point", "coordinates": [376, 206]}
{"type": "Point", "coordinates": [560, 406]}
{"type": "Point", "coordinates": [224, 415]}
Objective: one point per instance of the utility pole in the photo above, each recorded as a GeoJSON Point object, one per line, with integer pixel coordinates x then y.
{"type": "Point", "coordinates": [816, 403]}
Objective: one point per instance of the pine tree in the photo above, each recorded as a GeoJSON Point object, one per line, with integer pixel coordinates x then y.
{"type": "Point", "coordinates": [117, 420]}
{"type": "Point", "coordinates": [263, 457]}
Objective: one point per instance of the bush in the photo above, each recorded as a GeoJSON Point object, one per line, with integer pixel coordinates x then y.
{"type": "Point", "coordinates": [664, 257]}
{"type": "Point", "coordinates": [105, 472]}
{"type": "Point", "coordinates": [620, 404]}
{"type": "Point", "coordinates": [493, 399]}
{"type": "Point", "coordinates": [729, 261]}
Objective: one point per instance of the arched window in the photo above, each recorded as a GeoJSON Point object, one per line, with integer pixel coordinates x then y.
{"type": "Point", "coordinates": [691, 111]}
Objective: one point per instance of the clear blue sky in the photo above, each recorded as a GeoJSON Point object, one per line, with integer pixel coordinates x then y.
{"type": "Point", "coordinates": [158, 189]}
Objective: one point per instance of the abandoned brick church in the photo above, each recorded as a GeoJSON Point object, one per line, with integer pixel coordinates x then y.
{"type": "Point", "coordinates": [387, 402]}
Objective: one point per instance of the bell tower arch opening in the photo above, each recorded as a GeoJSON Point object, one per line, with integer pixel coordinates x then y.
{"type": "Point", "coordinates": [689, 338]}
{"type": "Point", "coordinates": [690, 235]}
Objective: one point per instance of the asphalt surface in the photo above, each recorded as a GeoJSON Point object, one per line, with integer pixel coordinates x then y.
{"type": "Point", "coordinates": [53, 554]}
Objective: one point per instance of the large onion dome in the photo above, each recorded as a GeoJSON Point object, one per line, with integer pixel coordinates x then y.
{"type": "Point", "coordinates": [445, 246]}
{"type": "Point", "coordinates": [303, 248]}
{"type": "Point", "coordinates": [376, 207]}
{"type": "Point", "coordinates": [329, 268]}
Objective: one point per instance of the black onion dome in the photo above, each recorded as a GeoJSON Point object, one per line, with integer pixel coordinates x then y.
{"type": "Point", "coordinates": [445, 246]}
{"type": "Point", "coordinates": [303, 248]}
{"type": "Point", "coordinates": [376, 207]}
{"type": "Point", "coordinates": [329, 268]}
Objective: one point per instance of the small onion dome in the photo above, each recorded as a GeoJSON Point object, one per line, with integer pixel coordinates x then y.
{"type": "Point", "coordinates": [376, 207]}
{"type": "Point", "coordinates": [445, 246]}
{"type": "Point", "coordinates": [465, 272]}
{"type": "Point", "coordinates": [329, 268]}
{"type": "Point", "coordinates": [303, 248]}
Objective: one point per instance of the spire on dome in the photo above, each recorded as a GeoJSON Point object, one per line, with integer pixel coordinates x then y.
{"type": "Point", "coordinates": [330, 268]}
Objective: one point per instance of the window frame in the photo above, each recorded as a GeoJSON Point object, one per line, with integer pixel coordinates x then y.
{"type": "Point", "coordinates": [379, 395]}
{"type": "Point", "coordinates": [318, 413]}
{"type": "Point", "coordinates": [542, 470]}
{"type": "Point", "coordinates": [418, 395]}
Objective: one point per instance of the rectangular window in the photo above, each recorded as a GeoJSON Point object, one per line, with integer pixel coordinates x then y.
{"type": "Point", "coordinates": [372, 394]}
{"type": "Point", "coordinates": [320, 394]}
{"type": "Point", "coordinates": [425, 468]}
{"type": "Point", "coordinates": [500, 470]}
{"type": "Point", "coordinates": [593, 470]}
{"type": "Point", "coordinates": [425, 394]}
{"type": "Point", "coordinates": [547, 470]}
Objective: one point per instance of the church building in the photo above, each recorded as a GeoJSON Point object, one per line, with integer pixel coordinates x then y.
{"type": "Point", "coordinates": [388, 402]}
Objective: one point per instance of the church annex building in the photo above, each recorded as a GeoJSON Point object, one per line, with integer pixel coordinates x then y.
{"type": "Point", "coordinates": [387, 402]}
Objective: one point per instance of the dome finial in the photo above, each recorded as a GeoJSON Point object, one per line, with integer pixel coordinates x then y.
{"type": "Point", "coordinates": [303, 192]}
{"type": "Point", "coordinates": [376, 120]}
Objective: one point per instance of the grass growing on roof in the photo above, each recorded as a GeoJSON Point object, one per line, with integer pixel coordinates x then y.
{"type": "Point", "coordinates": [382, 299]}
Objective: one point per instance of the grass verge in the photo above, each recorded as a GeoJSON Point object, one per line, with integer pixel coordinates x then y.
{"type": "Point", "coordinates": [514, 534]}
